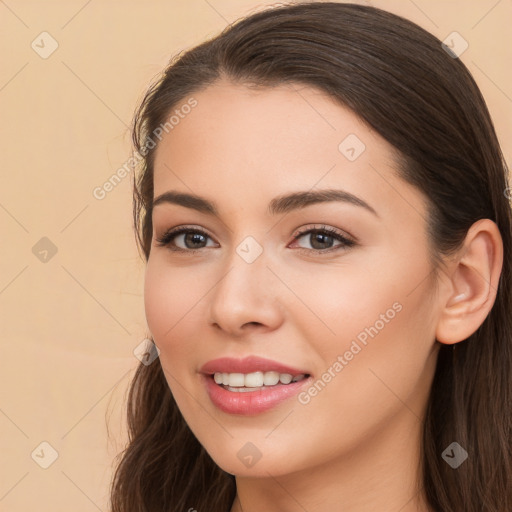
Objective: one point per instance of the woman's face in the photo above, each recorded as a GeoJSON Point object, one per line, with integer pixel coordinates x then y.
{"type": "Point", "coordinates": [358, 317]}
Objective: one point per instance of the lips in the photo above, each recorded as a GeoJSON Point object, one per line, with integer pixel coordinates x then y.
{"type": "Point", "coordinates": [248, 364]}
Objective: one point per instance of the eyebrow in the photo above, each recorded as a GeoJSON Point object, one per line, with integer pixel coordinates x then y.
{"type": "Point", "coordinates": [281, 204]}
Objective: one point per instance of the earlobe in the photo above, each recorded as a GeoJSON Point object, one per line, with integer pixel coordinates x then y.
{"type": "Point", "coordinates": [473, 281]}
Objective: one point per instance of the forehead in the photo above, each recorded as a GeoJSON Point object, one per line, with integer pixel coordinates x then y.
{"type": "Point", "coordinates": [289, 121]}
{"type": "Point", "coordinates": [245, 144]}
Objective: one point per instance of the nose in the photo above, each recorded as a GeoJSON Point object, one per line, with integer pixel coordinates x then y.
{"type": "Point", "coordinates": [246, 298]}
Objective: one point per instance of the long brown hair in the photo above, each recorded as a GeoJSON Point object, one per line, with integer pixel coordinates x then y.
{"type": "Point", "coordinates": [420, 98]}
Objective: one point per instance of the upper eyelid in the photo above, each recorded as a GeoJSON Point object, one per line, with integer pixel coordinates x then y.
{"type": "Point", "coordinates": [298, 233]}
{"type": "Point", "coordinates": [324, 227]}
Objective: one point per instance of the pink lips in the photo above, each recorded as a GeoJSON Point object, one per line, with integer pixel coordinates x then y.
{"type": "Point", "coordinates": [249, 402]}
{"type": "Point", "coordinates": [247, 365]}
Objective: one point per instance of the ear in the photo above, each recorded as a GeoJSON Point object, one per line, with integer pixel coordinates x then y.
{"type": "Point", "coordinates": [473, 278]}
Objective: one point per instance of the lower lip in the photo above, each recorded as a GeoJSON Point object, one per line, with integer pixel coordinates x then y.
{"type": "Point", "coordinates": [251, 402]}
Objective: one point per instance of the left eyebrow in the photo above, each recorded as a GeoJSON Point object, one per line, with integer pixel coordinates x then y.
{"type": "Point", "coordinates": [296, 200]}
{"type": "Point", "coordinates": [281, 204]}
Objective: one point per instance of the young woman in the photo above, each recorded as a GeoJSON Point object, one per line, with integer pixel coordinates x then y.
{"type": "Point", "coordinates": [322, 208]}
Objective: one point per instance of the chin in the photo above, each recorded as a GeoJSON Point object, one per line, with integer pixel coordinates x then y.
{"type": "Point", "coordinates": [247, 461]}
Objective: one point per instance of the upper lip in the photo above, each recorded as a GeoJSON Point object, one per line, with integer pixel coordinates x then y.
{"type": "Point", "coordinates": [248, 364]}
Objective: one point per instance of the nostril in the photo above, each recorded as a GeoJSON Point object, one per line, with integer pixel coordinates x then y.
{"type": "Point", "coordinates": [253, 323]}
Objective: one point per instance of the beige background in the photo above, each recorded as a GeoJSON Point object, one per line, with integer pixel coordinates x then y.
{"type": "Point", "coordinates": [69, 324]}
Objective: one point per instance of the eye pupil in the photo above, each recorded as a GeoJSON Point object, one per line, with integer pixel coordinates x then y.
{"type": "Point", "coordinates": [324, 239]}
{"type": "Point", "coordinates": [193, 237]}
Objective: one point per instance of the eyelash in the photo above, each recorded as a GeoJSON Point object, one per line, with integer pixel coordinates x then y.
{"type": "Point", "coordinates": [166, 239]}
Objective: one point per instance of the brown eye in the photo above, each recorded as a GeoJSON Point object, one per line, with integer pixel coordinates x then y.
{"type": "Point", "coordinates": [322, 239]}
{"type": "Point", "coordinates": [192, 239]}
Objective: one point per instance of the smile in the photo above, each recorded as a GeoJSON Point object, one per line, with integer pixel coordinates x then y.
{"type": "Point", "coordinates": [254, 380]}
{"type": "Point", "coordinates": [248, 401]}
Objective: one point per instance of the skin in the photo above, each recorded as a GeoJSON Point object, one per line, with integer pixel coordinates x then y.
{"type": "Point", "coordinates": [356, 443]}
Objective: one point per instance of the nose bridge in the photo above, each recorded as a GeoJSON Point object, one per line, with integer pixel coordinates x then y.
{"type": "Point", "coordinates": [245, 293]}
{"type": "Point", "coordinates": [246, 274]}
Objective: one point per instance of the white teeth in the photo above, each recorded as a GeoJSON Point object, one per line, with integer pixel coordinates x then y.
{"type": "Point", "coordinates": [255, 379]}
{"type": "Point", "coordinates": [285, 378]}
{"type": "Point", "coordinates": [270, 378]}
{"type": "Point", "coordinates": [252, 380]}
{"type": "Point", "coordinates": [235, 380]}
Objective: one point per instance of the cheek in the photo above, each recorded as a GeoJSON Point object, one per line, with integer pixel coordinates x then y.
{"type": "Point", "coordinates": [158, 300]}
{"type": "Point", "coordinates": [379, 318]}
{"type": "Point", "coordinates": [335, 305]}
{"type": "Point", "coordinates": [170, 299]}
{"type": "Point", "coordinates": [387, 376]}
